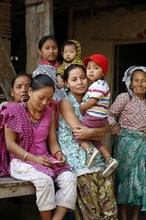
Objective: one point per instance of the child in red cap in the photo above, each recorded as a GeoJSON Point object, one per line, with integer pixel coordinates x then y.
{"type": "Point", "coordinates": [95, 106]}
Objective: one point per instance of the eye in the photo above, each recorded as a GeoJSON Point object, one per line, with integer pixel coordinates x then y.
{"type": "Point", "coordinates": [41, 98]}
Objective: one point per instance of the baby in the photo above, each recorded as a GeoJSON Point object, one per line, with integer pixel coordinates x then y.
{"type": "Point", "coordinates": [71, 53]}
{"type": "Point", "coordinates": [95, 108]}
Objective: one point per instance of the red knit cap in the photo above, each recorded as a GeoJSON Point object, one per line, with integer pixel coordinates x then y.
{"type": "Point", "coordinates": [100, 59]}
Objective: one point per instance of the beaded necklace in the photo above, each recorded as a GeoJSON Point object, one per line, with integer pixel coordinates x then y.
{"type": "Point", "coordinates": [30, 114]}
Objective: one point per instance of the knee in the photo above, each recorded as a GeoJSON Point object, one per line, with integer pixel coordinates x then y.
{"type": "Point", "coordinates": [71, 178]}
{"type": "Point", "coordinates": [44, 182]}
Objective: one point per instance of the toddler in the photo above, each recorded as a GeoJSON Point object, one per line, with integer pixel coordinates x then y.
{"type": "Point", "coordinates": [71, 53]}
{"type": "Point", "coordinates": [95, 106]}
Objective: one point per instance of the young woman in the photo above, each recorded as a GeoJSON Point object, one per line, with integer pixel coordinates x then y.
{"type": "Point", "coordinates": [95, 196]}
{"type": "Point", "coordinates": [127, 117]}
{"type": "Point", "coordinates": [48, 50]}
{"type": "Point", "coordinates": [30, 137]}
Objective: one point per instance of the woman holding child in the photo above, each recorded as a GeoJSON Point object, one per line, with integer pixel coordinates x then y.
{"type": "Point", "coordinates": [95, 196]}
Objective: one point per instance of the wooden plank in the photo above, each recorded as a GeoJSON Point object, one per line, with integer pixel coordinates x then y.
{"type": "Point", "coordinates": [10, 187]}
{"type": "Point", "coordinates": [7, 71]}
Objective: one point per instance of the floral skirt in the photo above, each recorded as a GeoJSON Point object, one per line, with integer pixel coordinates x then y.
{"type": "Point", "coordinates": [95, 198]}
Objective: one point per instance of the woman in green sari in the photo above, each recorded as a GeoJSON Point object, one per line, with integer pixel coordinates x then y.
{"type": "Point", "coordinates": [127, 118]}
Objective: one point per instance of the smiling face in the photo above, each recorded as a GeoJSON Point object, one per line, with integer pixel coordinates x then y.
{"type": "Point", "coordinates": [94, 71]}
{"type": "Point", "coordinates": [138, 83]}
{"type": "Point", "coordinates": [49, 51]}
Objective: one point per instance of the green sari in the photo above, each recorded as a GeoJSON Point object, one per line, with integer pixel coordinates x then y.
{"type": "Point", "coordinates": [130, 149]}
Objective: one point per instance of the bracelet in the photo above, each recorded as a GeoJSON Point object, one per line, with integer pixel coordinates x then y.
{"type": "Point", "coordinates": [24, 158]}
{"type": "Point", "coordinates": [57, 152]}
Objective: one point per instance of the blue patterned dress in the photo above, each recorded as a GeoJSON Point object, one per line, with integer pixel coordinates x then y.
{"type": "Point", "coordinates": [95, 199]}
{"type": "Point", "coordinates": [75, 155]}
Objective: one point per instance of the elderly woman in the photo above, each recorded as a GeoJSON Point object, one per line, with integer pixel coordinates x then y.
{"type": "Point", "coordinates": [127, 118]}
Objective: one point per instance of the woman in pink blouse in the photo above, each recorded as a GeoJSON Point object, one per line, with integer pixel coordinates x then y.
{"type": "Point", "coordinates": [127, 118]}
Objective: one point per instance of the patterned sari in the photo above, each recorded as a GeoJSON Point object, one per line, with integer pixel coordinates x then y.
{"type": "Point", "coordinates": [131, 173]}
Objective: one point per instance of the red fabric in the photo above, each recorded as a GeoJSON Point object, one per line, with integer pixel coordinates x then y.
{"type": "Point", "coordinates": [100, 59]}
{"type": "Point", "coordinates": [45, 62]}
{"type": "Point", "coordinates": [54, 106]}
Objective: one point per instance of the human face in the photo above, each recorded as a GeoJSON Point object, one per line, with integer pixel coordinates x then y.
{"type": "Point", "coordinates": [49, 51]}
{"type": "Point", "coordinates": [69, 53]}
{"type": "Point", "coordinates": [19, 92]}
{"type": "Point", "coordinates": [77, 82]}
{"type": "Point", "coordinates": [138, 83]}
{"type": "Point", "coordinates": [40, 99]}
{"type": "Point", "coordinates": [94, 71]}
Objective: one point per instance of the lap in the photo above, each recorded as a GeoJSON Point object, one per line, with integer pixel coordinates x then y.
{"type": "Point", "coordinates": [95, 199]}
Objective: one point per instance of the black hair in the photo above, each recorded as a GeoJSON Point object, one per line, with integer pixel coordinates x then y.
{"type": "Point", "coordinates": [40, 81]}
{"type": "Point", "coordinates": [19, 75]}
{"type": "Point", "coordinates": [68, 43]}
{"type": "Point", "coordinates": [71, 67]}
{"type": "Point", "coordinates": [45, 38]}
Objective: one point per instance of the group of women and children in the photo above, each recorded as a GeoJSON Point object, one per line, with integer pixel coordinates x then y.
{"type": "Point", "coordinates": [67, 161]}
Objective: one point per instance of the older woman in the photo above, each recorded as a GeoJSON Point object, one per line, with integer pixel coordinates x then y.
{"type": "Point", "coordinates": [95, 197]}
{"type": "Point", "coordinates": [127, 117]}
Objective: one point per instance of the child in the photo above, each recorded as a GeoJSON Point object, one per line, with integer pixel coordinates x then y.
{"type": "Point", "coordinates": [71, 53]}
{"type": "Point", "coordinates": [95, 107]}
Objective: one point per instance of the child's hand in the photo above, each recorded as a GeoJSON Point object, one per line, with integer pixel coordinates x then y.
{"type": "Point", "coordinates": [60, 82]}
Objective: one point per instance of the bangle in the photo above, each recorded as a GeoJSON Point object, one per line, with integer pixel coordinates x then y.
{"type": "Point", "coordinates": [24, 158]}
{"type": "Point", "coordinates": [57, 152]}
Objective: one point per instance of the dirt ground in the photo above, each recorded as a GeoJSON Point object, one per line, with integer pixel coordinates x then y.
{"type": "Point", "coordinates": [24, 208]}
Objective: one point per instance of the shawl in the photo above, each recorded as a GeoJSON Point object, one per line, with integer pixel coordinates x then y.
{"type": "Point", "coordinates": [127, 76]}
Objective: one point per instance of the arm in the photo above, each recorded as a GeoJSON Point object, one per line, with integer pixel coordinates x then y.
{"type": "Point", "coordinates": [115, 110]}
{"type": "Point", "coordinates": [53, 143]}
{"type": "Point", "coordinates": [68, 113]}
{"type": "Point", "coordinates": [19, 152]}
{"type": "Point", "coordinates": [88, 104]}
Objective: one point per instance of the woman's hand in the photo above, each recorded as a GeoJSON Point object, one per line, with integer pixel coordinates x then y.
{"type": "Point", "coordinates": [82, 132]}
{"type": "Point", "coordinates": [116, 130]}
{"type": "Point", "coordinates": [61, 159]}
{"type": "Point", "coordinates": [43, 160]}
{"type": "Point", "coordinates": [97, 134]}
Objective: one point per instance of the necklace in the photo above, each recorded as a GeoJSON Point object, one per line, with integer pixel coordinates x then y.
{"type": "Point", "coordinates": [31, 115]}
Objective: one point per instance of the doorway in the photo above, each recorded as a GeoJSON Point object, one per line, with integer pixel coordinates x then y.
{"type": "Point", "coordinates": [127, 55]}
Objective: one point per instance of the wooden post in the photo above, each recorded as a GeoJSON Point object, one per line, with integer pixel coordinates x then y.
{"type": "Point", "coordinates": [7, 72]}
{"type": "Point", "coordinates": [39, 22]}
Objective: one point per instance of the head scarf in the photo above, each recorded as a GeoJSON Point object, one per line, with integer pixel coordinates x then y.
{"type": "Point", "coordinates": [127, 76]}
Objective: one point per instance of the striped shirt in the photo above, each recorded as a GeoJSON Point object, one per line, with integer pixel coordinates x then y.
{"type": "Point", "coordinates": [100, 91]}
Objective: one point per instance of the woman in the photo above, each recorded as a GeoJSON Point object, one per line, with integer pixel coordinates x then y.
{"type": "Point", "coordinates": [127, 118]}
{"type": "Point", "coordinates": [19, 88]}
{"type": "Point", "coordinates": [19, 92]}
{"type": "Point", "coordinates": [48, 50]}
{"type": "Point", "coordinates": [29, 129]}
{"type": "Point", "coordinates": [95, 197]}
